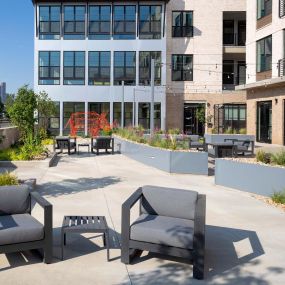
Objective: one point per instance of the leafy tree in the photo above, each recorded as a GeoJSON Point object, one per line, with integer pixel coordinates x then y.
{"type": "Point", "coordinates": [21, 110]}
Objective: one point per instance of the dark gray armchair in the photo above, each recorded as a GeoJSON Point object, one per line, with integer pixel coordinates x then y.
{"type": "Point", "coordinates": [19, 230]}
{"type": "Point", "coordinates": [105, 143]}
{"type": "Point", "coordinates": [242, 146]}
{"type": "Point", "coordinates": [171, 222]}
{"type": "Point", "coordinates": [68, 143]}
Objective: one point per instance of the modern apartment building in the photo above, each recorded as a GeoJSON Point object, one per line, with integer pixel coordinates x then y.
{"type": "Point", "coordinates": [3, 94]}
{"type": "Point", "coordinates": [265, 77]}
{"type": "Point", "coordinates": [206, 52]}
{"type": "Point", "coordinates": [94, 55]}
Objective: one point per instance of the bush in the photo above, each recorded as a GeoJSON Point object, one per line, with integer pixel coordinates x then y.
{"type": "Point", "coordinates": [278, 158]}
{"type": "Point", "coordinates": [279, 197]}
{"type": "Point", "coordinates": [8, 179]}
{"type": "Point", "coordinates": [174, 131]}
{"type": "Point", "coordinates": [243, 131]}
{"type": "Point", "coordinates": [262, 156]}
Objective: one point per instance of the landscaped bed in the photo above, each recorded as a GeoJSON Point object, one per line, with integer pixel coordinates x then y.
{"type": "Point", "coordinates": [162, 151]}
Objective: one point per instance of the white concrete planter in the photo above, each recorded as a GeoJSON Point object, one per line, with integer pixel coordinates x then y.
{"type": "Point", "coordinates": [184, 162]}
{"type": "Point", "coordinates": [48, 162]}
{"type": "Point", "coordinates": [249, 177]}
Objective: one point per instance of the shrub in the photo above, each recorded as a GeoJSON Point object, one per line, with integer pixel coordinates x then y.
{"type": "Point", "coordinates": [278, 197]}
{"type": "Point", "coordinates": [174, 131]}
{"type": "Point", "coordinates": [278, 158]}
{"type": "Point", "coordinates": [262, 156]}
{"type": "Point", "coordinates": [8, 178]}
{"type": "Point", "coordinates": [243, 131]}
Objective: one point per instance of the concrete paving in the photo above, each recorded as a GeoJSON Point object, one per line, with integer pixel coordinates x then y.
{"type": "Point", "coordinates": [245, 238]}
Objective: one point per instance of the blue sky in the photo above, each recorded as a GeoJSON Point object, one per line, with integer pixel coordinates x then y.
{"type": "Point", "coordinates": [16, 43]}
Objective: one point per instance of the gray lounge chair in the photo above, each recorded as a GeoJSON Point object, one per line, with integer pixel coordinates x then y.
{"type": "Point", "coordinates": [19, 230]}
{"type": "Point", "coordinates": [171, 222]}
{"type": "Point", "coordinates": [242, 146]}
{"type": "Point", "coordinates": [105, 143]}
{"type": "Point", "coordinates": [197, 142]}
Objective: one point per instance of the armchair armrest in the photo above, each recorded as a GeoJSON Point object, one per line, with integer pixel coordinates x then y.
{"type": "Point", "coordinates": [47, 206]}
{"type": "Point", "coordinates": [199, 237]}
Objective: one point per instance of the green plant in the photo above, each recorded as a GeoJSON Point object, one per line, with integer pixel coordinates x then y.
{"type": "Point", "coordinates": [243, 131]}
{"type": "Point", "coordinates": [262, 156]}
{"type": "Point", "coordinates": [174, 131]}
{"type": "Point", "coordinates": [8, 178]}
{"type": "Point", "coordinates": [278, 197]}
{"type": "Point", "coordinates": [47, 141]}
{"type": "Point", "coordinates": [278, 158]}
{"type": "Point", "coordinates": [200, 114]}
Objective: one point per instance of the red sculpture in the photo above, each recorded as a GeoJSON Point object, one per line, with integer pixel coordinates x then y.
{"type": "Point", "coordinates": [95, 123]}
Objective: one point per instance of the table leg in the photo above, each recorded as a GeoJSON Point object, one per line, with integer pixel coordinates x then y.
{"type": "Point", "coordinates": [63, 240]}
{"type": "Point", "coordinates": [107, 244]}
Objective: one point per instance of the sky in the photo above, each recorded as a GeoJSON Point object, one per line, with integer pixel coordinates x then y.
{"type": "Point", "coordinates": [16, 43]}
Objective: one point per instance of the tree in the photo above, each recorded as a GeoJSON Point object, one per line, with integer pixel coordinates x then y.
{"type": "Point", "coordinates": [46, 108]}
{"type": "Point", "coordinates": [21, 110]}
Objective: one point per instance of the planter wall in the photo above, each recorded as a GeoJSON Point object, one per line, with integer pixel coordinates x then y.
{"type": "Point", "coordinates": [170, 161]}
{"type": "Point", "coordinates": [218, 138]}
{"type": "Point", "coordinates": [254, 178]}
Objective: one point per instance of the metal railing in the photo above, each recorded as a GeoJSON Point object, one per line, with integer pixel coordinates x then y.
{"type": "Point", "coordinates": [281, 67]}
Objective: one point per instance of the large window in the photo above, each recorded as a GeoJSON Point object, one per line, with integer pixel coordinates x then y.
{"type": "Point", "coordinates": [144, 115]}
{"type": "Point", "coordinates": [182, 68]}
{"type": "Point", "coordinates": [100, 22]}
{"type": "Point", "coordinates": [264, 54]}
{"type": "Point", "coordinates": [54, 121]}
{"type": "Point", "coordinates": [145, 67]}
{"type": "Point", "coordinates": [74, 22]}
{"type": "Point", "coordinates": [264, 8]}
{"type": "Point", "coordinates": [49, 67]}
{"type": "Point", "coordinates": [74, 68]}
{"type": "Point", "coordinates": [182, 24]}
{"type": "Point", "coordinates": [125, 67]}
{"type": "Point", "coordinates": [124, 22]}
{"type": "Point", "coordinates": [128, 113]}
{"type": "Point", "coordinates": [234, 116]}
{"type": "Point", "coordinates": [99, 68]}
{"type": "Point", "coordinates": [150, 22]}
{"type": "Point", "coordinates": [70, 108]}
{"type": "Point", "coordinates": [99, 108]}
{"type": "Point", "coordinates": [49, 22]}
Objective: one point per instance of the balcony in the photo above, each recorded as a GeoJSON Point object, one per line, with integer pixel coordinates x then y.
{"type": "Point", "coordinates": [234, 74]}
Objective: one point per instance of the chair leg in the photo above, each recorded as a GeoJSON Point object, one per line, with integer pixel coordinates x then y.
{"type": "Point", "coordinates": [48, 254]}
{"type": "Point", "coordinates": [198, 265]}
{"type": "Point", "coordinates": [125, 255]}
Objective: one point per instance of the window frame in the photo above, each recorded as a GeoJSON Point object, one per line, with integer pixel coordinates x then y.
{"type": "Point", "coordinates": [157, 80]}
{"type": "Point", "coordinates": [183, 28]}
{"type": "Point", "coordinates": [182, 77]}
{"type": "Point", "coordinates": [74, 69]}
{"type": "Point", "coordinates": [116, 36]}
{"type": "Point", "coordinates": [50, 22]}
{"type": "Point", "coordinates": [151, 23]}
{"type": "Point", "coordinates": [74, 33]}
{"type": "Point", "coordinates": [49, 68]}
{"type": "Point", "coordinates": [100, 23]}
{"type": "Point", "coordinates": [124, 67]}
{"type": "Point", "coordinates": [266, 12]}
{"type": "Point", "coordinates": [259, 68]}
{"type": "Point", "coordinates": [104, 83]}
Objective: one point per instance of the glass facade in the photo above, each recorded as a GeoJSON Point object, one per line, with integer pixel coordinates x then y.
{"type": "Point", "coordinates": [149, 22]}
{"type": "Point", "coordinates": [70, 108]}
{"type": "Point", "coordinates": [99, 68]}
{"type": "Point", "coordinates": [144, 115]}
{"type": "Point", "coordinates": [235, 116]}
{"type": "Point", "coordinates": [74, 22]}
{"type": "Point", "coordinates": [99, 22]}
{"type": "Point", "coordinates": [182, 24]}
{"type": "Point", "coordinates": [182, 67]}
{"type": "Point", "coordinates": [264, 54]}
{"type": "Point", "coordinates": [264, 8]}
{"type": "Point", "coordinates": [99, 108]}
{"type": "Point", "coordinates": [128, 113]}
{"type": "Point", "coordinates": [145, 67]}
{"type": "Point", "coordinates": [125, 67]}
{"type": "Point", "coordinates": [49, 68]}
{"type": "Point", "coordinates": [49, 22]}
{"type": "Point", "coordinates": [74, 68]}
{"type": "Point", "coordinates": [124, 22]}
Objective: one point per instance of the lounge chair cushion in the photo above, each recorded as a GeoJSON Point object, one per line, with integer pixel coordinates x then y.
{"type": "Point", "coordinates": [14, 199]}
{"type": "Point", "coordinates": [20, 228]}
{"type": "Point", "coordinates": [169, 202]}
{"type": "Point", "coordinates": [163, 230]}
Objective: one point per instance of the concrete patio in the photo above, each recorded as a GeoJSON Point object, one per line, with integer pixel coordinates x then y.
{"type": "Point", "coordinates": [245, 240]}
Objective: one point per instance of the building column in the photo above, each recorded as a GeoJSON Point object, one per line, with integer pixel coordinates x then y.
{"type": "Point", "coordinates": [61, 118]}
{"type": "Point", "coordinates": [86, 119]}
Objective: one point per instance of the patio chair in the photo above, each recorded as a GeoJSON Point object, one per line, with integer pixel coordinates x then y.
{"type": "Point", "coordinates": [243, 146]}
{"type": "Point", "coordinates": [171, 222]}
{"type": "Point", "coordinates": [197, 142]}
{"type": "Point", "coordinates": [19, 230]}
{"type": "Point", "coordinates": [68, 143]}
{"type": "Point", "coordinates": [105, 143]}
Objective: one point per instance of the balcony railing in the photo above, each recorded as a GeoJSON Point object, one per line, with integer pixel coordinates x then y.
{"type": "Point", "coordinates": [281, 67]}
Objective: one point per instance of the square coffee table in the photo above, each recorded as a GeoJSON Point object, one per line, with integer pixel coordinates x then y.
{"type": "Point", "coordinates": [85, 224]}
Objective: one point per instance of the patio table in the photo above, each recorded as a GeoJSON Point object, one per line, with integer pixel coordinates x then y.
{"type": "Point", "coordinates": [85, 224]}
{"type": "Point", "coordinates": [222, 147]}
